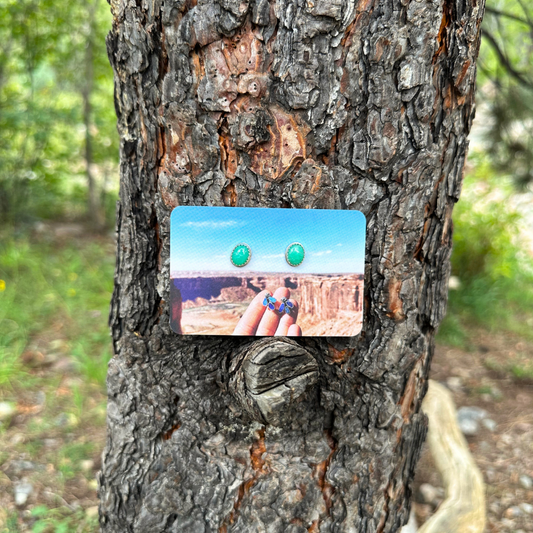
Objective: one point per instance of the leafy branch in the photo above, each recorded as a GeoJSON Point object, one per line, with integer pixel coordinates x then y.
{"type": "Point", "coordinates": [504, 60]}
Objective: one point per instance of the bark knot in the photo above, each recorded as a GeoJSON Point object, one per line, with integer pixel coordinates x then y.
{"type": "Point", "coordinates": [272, 377]}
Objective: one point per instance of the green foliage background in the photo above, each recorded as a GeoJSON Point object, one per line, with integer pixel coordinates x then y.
{"type": "Point", "coordinates": [505, 87]}
{"type": "Point", "coordinates": [54, 292]}
{"type": "Point", "coordinates": [491, 258]}
{"type": "Point", "coordinates": [45, 68]}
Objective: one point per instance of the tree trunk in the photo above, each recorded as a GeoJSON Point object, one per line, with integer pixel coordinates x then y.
{"type": "Point", "coordinates": [307, 104]}
{"type": "Point", "coordinates": [94, 210]}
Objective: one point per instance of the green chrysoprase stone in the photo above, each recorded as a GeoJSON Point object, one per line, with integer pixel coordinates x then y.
{"type": "Point", "coordinates": [295, 254]}
{"type": "Point", "coordinates": [241, 255]}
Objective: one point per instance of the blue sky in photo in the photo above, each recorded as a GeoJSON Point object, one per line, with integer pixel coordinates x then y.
{"type": "Point", "coordinates": [202, 239]}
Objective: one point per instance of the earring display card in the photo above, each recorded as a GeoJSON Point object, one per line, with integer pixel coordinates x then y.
{"type": "Point", "coordinates": [261, 271]}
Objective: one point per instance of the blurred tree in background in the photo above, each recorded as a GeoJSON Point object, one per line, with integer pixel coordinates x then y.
{"type": "Point", "coordinates": [505, 86]}
{"type": "Point", "coordinates": [493, 233]}
{"type": "Point", "coordinates": [59, 162]}
{"type": "Point", "coordinates": [59, 146]}
{"type": "Point", "coordinates": [58, 141]}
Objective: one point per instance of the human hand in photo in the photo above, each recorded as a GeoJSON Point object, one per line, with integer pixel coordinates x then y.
{"type": "Point", "coordinates": [261, 320]}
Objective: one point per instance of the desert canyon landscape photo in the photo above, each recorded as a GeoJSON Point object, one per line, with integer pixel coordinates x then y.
{"type": "Point", "coordinates": [211, 290]}
{"type": "Point", "coordinates": [212, 304]}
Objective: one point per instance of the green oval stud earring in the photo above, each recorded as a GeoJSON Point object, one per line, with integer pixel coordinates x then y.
{"type": "Point", "coordinates": [241, 255]}
{"type": "Point", "coordinates": [295, 254]}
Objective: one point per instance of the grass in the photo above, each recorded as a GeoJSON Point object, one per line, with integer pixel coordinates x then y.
{"type": "Point", "coordinates": [452, 331]}
{"type": "Point", "coordinates": [54, 350]}
{"type": "Point", "coordinates": [60, 293]}
{"type": "Point", "coordinates": [56, 446]}
{"type": "Point", "coordinates": [517, 365]}
{"type": "Point", "coordinates": [61, 520]}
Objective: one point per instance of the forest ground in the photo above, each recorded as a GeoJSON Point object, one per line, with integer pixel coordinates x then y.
{"type": "Point", "coordinates": [494, 375]}
{"type": "Point", "coordinates": [52, 396]}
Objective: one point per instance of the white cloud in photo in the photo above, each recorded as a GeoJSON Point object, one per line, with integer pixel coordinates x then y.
{"type": "Point", "coordinates": [213, 224]}
{"type": "Point", "coordinates": [340, 244]}
{"type": "Point", "coordinates": [323, 252]}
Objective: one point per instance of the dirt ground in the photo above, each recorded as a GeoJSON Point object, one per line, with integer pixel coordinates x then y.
{"type": "Point", "coordinates": [493, 375]}
{"type": "Point", "coordinates": [50, 448]}
{"type": "Point", "coordinates": [54, 440]}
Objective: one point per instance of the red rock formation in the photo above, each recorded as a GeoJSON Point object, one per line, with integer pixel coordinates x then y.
{"type": "Point", "coordinates": [236, 294]}
{"type": "Point", "coordinates": [325, 297]}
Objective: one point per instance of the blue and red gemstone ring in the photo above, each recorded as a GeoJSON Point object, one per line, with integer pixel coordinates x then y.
{"type": "Point", "coordinates": [285, 305]}
{"type": "Point", "coordinates": [270, 302]}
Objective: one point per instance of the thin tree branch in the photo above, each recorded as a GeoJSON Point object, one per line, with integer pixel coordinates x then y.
{"type": "Point", "coordinates": [526, 12]}
{"type": "Point", "coordinates": [504, 60]}
{"type": "Point", "coordinates": [505, 14]}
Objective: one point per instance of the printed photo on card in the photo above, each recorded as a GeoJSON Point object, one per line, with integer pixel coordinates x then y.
{"type": "Point", "coordinates": [263, 272]}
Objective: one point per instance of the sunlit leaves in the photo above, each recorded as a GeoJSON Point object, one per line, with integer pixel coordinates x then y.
{"type": "Point", "coordinates": [505, 87]}
{"type": "Point", "coordinates": [42, 77]}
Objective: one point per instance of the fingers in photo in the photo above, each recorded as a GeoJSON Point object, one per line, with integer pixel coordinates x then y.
{"type": "Point", "coordinates": [269, 322]}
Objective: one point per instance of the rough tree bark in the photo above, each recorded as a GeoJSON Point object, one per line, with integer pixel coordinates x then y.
{"type": "Point", "coordinates": [289, 103]}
